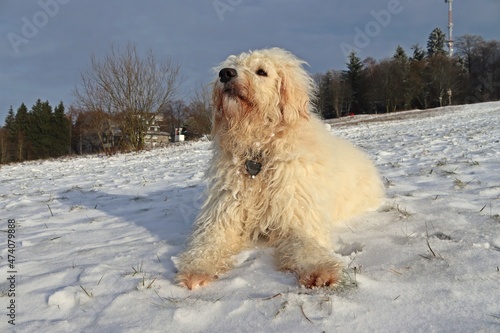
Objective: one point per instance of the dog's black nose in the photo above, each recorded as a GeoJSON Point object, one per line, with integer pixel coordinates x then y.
{"type": "Point", "coordinates": [226, 74]}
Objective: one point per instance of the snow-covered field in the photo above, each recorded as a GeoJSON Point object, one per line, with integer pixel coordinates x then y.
{"type": "Point", "coordinates": [95, 239]}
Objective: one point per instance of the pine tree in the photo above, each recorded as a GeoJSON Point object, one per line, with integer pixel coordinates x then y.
{"type": "Point", "coordinates": [418, 53]}
{"type": "Point", "coordinates": [400, 66]}
{"type": "Point", "coordinates": [354, 77]}
{"type": "Point", "coordinates": [10, 119]}
{"type": "Point", "coordinates": [400, 54]}
{"type": "Point", "coordinates": [3, 144]}
{"type": "Point", "coordinates": [9, 138]}
{"type": "Point", "coordinates": [39, 130]}
{"type": "Point", "coordinates": [22, 122]}
{"type": "Point", "coordinates": [61, 131]}
{"type": "Point", "coordinates": [435, 43]}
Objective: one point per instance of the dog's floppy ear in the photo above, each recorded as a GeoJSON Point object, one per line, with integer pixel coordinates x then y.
{"type": "Point", "coordinates": [295, 88]}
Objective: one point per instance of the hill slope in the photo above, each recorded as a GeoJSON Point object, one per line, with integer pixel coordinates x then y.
{"type": "Point", "coordinates": [96, 238]}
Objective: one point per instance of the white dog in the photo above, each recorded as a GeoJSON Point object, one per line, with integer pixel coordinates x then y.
{"type": "Point", "coordinates": [277, 175]}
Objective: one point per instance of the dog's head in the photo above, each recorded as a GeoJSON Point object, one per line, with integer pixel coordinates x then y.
{"type": "Point", "coordinates": [261, 88]}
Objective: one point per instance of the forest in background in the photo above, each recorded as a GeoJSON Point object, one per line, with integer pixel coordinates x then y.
{"type": "Point", "coordinates": [127, 102]}
{"type": "Point", "coordinates": [425, 79]}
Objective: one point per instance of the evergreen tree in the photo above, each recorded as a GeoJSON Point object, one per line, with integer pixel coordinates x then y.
{"type": "Point", "coordinates": [9, 138]}
{"type": "Point", "coordinates": [22, 122]}
{"type": "Point", "coordinates": [61, 132]}
{"type": "Point", "coordinates": [354, 77]}
{"type": "Point", "coordinates": [400, 54]}
{"type": "Point", "coordinates": [3, 144]}
{"type": "Point", "coordinates": [400, 66]}
{"type": "Point", "coordinates": [435, 43]}
{"type": "Point", "coordinates": [10, 119]}
{"type": "Point", "coordinates": [39, 130]}
{"type": "Point", "coordinates": [418, 53]}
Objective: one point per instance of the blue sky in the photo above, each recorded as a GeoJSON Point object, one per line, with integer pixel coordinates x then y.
{"type": "Point", "coordinates": [46, 44]}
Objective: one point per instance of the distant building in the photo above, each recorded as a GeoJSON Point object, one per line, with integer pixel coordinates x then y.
{"type": "Point", "coordinates": [179, 135]}
{"type": "Point", "coordinates": [157, 134]}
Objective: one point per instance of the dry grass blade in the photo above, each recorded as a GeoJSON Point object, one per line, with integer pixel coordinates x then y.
{"type": "Point", "coordinates": [282, 307]}
{"type": "Point", "coordinates": [303, 313]}
{"type": "Point", "coordinates": [90, 295]}
{"type": "Point", "coordinates": [494, 316]}
{"type": "Point", "coordinates": [149, 285]}
{"type": "Point", "coordinates": [388, 183]}
{"type": "Point", "coordinates": [50, 210]}
{"type": "Point", "coordinates": [138, 270]}
{"type": "Point", "coordinates": [430, 248]}
{"type": "Point", "coordinates": [450, 172]}
{"type": "Point", "coordinates": [429, 245]}
{"type": "Point", "coordinates": [274, 296]}
{"type": "Point", "coordinates": [460, 184]}
{"type": "Point", "coordinates": [218, 299]}
{"type": "Point", "coordinates": [441, 162]}
{"type": "Point", "coordinates": [161, 298]}
{"type": "Point", "coordinates": [403, 213]}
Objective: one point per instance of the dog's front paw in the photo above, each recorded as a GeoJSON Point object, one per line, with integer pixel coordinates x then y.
{"type": "Point", "coordinates": [193, 280]}
{"type": "Point", "coordinates": [320, 277]}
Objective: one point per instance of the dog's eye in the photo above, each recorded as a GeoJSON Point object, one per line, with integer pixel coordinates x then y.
{"type": "Point", "coordinates": [261, 72]}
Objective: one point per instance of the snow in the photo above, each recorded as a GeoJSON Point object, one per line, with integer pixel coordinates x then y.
{"type": "Point", "coordinates": [96, 240]}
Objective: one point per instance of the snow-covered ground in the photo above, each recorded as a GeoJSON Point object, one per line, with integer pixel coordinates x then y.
{"type": "Point", "coordinates": [95, 239]}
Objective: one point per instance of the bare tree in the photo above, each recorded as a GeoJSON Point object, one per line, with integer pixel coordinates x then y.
{"type": "Point", "coordinates": [388, 83]}
{"type": "Point", "coordinates": [199, 117]}
{"type": "Point", "coordinates": [444, 77]}
{"type": "Point", "coordinates": [131, 88]}
{"type": "Point", "coordinates": [417, 83]}
{"type": "Point", "coordinates": [175, 114]}
{"type": "Point", "coordinates": [92, 128]}
{"type": "Point", "coordinates": [467, 47]}
{"type": "Point", "coordinates": [333, 94]}
{"type": "Point", "coordinates": [341, 94]}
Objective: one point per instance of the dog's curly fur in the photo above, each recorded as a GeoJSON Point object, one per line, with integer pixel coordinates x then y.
{"type": "Point", "coordinates": [308, 180]}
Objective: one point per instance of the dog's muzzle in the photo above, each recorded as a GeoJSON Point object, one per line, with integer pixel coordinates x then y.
{"type": "Point", "coordinates": [226, 74]}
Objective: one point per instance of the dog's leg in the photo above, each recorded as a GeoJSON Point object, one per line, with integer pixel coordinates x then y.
{"type": "Point", "coordinates": [313, 262]}
{"type": "Point", "coordinates": [208, 255]}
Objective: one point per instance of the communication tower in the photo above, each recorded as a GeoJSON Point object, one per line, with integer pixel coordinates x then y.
{"type": "Point", "coordinates": [450, 26]}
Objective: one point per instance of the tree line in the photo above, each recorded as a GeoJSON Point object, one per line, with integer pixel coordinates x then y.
{"type": "Point", "coordinates": [428, 78]}
{"type": "Point", "coordinates": [46, 132]}
{"type": "Point", "coordinates": [123, 102]}
{"type": "Point", "coordinates": [41, 132]}
{"type": "Point", "coordinates": [126, 100]}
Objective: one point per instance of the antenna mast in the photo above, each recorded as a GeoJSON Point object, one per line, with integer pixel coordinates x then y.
{"type": "Point", "coordinates": [450, 26]}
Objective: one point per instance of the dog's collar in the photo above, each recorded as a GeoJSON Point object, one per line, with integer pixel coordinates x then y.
{"type": "Point", "coordinates": [253, 167]}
